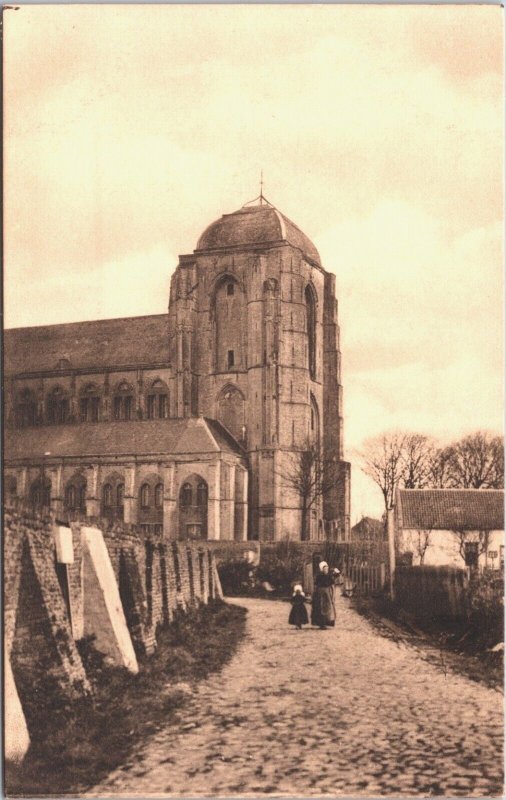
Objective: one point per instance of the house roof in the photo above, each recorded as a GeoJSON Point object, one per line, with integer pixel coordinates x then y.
{"type": "Point", "coordinates": [368, 527]}
{"type": "Point", "coordinates": [98, 344]}
{"type": "Point", "coordinates": [146, 437]}
{"type": "Point", "coordinates": [451, 509]}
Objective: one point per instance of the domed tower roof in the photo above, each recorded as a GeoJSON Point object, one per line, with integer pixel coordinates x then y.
{"type": "Point", "coordinates": [256, 225]}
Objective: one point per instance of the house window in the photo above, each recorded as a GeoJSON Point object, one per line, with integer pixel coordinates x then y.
{"type": "Point", "coordinates": [230, 289]}
{"type": "Point", "coordinates": [230, 358]}
{"type": "Point", "coordinates": [159, 495]}
{"type": "Point", "coordinates": [186, 495]}
{"type": "Point", "coordinates": [145, 498]}
{"type": "Point", "coordinates": [471, 554]}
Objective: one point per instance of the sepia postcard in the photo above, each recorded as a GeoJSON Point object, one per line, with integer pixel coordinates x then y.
{"type": "Point", "coordinates": [253, 372]}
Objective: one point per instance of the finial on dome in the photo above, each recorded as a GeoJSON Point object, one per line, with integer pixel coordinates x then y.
{"type": "Point", "coordinates": [261, 200]}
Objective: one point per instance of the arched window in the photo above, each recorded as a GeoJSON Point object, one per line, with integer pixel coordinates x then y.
{"type": "Point", "coordinates": [11, 487]}
{"type": "Point", "coordinates": [231, 411]}
{"type": "Point", "coordinates": [228, 306]}
{"type": "Point", "coordinates": [202, 494]}
{"type": "Point", "coordinates": [158, 401]}
{"type": "Point", "coordinates": [113, 492]}
{"type": "Point", "coordinates": [186, 498]}
{"type": "Point", "coordinates": [310, 301]}
{"type": "Point", "coordinates": [107, 495]}
{"type": "Point", "coordinates": [70, 498]}
{"type": "Point", "coordinates": [120, 496]}
{"type": "Point", "coordinates": [123, 401]}
{"type": "Point", "coordinates": [40, 493]}
{"type": "Point", "coordinates": [159, 495]}
{"type": "Point", "coordinates": [82, 497]}
{"type": "Point", "coordinates": [314, 424]}
{"type": "Point", "coordinates": [89, 404]}
{"type": "Point", "coordinates": [145, 495]}
{"type": "Point", "coordinates": [26, 409]}
{"type": "Point", "coordinates": [57, 407]}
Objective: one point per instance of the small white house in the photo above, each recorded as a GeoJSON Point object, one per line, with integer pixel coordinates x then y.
{"type": "Point", "coordinates": [452, 527]}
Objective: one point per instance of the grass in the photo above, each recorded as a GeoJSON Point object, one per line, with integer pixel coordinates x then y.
{"type": "Point", "coordinates": [454, 645]}
{"type": "Point", "coordinates": [72, 749]}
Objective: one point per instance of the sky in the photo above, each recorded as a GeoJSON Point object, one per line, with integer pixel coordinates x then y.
{"type": "Point", "coordinates": [379, 130]}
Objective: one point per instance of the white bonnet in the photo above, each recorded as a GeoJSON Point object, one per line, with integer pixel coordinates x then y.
{"type": "Point", "coordinates": [322, 564]}
{"type": "Point", "coordinates": [297, 587]}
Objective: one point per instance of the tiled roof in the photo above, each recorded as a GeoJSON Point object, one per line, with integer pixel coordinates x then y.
{"type": "Point", "coordinates": [452, 509]}
{"type": "Point", "coordinates": [262, 224]}
{"type": "Point", "coordinates": [102, 343]}
{"type": "Point", "coordinates": [146, 437]}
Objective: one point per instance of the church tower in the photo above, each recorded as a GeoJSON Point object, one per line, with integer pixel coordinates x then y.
{"type": "Point", "coordinates": [254, 343]}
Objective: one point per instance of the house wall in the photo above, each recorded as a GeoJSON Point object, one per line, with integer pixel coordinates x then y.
{"type": "Point", "coordinates": [443, 547]}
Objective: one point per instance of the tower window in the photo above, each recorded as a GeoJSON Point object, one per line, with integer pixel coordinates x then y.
{"type": "Point", "coordinates": [230, 358]}
{"type": "Point", "coordinates": [230, 289]}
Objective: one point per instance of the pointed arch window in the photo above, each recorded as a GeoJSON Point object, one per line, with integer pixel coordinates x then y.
{"type": "Point", "coordinates": [158, 401]}
{"type": "Point", "coordinates": [310, 302]}
{"type": "Point", "coordinates": [202, 494]}
{"type": "Point", "coordinates": [186, 495]}
{"type": "Point", "coordinates": [123, 402]}
{"type": "Point", "coordinates": [57, 407]}
{"type": "Point", "coordinates": [89, 404]}
{"type": "Point", "coordinates": [145, 495]}
{"type": "Point", "coordinates": [159, 495]}
{"type": "Point", "coordinates": [120, 496]}
{"type": "Point", "coordinates": [107, 495]}
{"type": "Point", "coordinates": [26, 409]}
{"type": "Point", "coordinates": [40, 494]}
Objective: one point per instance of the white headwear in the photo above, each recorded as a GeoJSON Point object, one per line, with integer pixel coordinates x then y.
{"type": "Point", "coordinates": [322, 564]}
{"type": "Point", "coordinates": [297, 587]}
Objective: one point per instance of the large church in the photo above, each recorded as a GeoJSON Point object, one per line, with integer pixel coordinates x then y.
{"type": "Point", "coordinates": [188, 423]}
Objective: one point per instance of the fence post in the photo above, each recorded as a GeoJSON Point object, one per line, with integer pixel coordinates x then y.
{"type": "Point", "coordinates": [391, 550]}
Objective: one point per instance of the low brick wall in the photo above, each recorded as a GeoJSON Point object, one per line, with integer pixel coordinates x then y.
{"type": "Point", "coordinates": [432, 592]}
{"type": "Point", "coordinates": [44, 608]}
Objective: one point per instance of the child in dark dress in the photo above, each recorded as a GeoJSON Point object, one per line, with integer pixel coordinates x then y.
{"type": "Point", "coordinates": [298, 614]}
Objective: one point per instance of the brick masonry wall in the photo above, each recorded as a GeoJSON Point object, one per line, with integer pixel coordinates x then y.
{"type": "Point", "coordinates": [155, 580]}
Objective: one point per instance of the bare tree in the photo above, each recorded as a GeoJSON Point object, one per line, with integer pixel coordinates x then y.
{"type": "Point", "coordinates": [422, 543]}
{"type": "Point", "coordinates": [476, 462]}
{"type": "Point", "coordinates": [399, 459]}
{"type": "Point", "coordinates": [382, 461]}
{"type": "Point", "coordinates": [311, 476]}
{"type": "Point", "coordinates": [418, 454]}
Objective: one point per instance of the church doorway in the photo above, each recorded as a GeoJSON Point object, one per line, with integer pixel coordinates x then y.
{"type": "Point", "coordinates": [192, 506]}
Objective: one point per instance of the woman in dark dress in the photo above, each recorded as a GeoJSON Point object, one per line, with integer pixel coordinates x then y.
{"type": "Point", "coordinates": [298, 614]}
{"type": "Point", "coordinates": [322, 611]}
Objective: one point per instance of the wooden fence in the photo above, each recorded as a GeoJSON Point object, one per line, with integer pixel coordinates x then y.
{"type": "Point", "coordinates": [366, 579]}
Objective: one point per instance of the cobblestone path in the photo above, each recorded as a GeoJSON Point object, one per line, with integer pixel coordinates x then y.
{"type": "Point", "coordinates": [336, 712]}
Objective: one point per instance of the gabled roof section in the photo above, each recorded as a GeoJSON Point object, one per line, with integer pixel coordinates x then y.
{"type": "Point", "coordinates": [77, 345]}
{"type": "Point", "coordinates": [452, 509]}
{"type": "Point", "coordinates": [133, 438]}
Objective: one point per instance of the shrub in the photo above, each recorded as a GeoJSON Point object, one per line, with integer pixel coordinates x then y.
{"type": "Point", "coordinates": [485, 608]}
